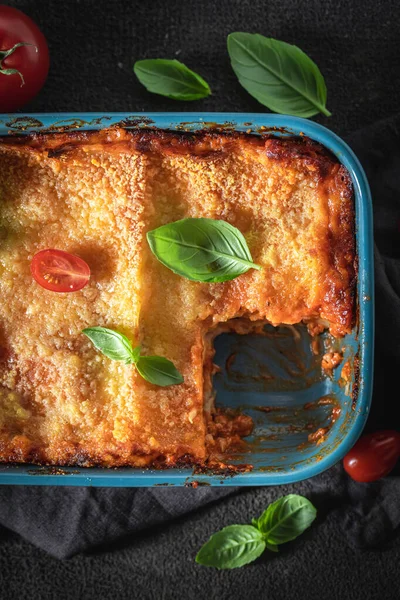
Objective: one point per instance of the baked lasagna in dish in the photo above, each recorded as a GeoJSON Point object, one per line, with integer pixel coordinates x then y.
{"type": "Point", "coordinates": [96, 195]}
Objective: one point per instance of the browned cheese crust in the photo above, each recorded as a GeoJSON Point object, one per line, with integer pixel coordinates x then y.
{"type": "Point", "coordinates": [96, 194]}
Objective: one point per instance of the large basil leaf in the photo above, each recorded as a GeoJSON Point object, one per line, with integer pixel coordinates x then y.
{"type": "Point", "coordinates": [171, 78]}
{"type": "Point", "coordinates": [205, 250]}
{"type": "Point", "coordinates": [233, 546]}
{"type": "Point", "coordinates": [286, 519]}
{"type": "Point", "coordinates": [277, 74]}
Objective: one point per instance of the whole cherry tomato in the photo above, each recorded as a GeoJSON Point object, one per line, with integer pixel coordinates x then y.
{"type": "Point", "coordinates": [59, 271]}
{"type": "Point", "coordinates": [373, 456]}
{"type": "Point", "coordinates": [24, 59]}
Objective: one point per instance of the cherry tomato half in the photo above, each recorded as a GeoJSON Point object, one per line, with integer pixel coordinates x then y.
{"type": "Point", "coordinates": [59, 271]}
{"type": "Point", "coordinates": [24, 68]}
{"type": "Point", "coordinates": [373, 456]}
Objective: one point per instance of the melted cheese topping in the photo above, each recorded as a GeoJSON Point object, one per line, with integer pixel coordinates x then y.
{"type": "Point", "coordinates": [96, 195]}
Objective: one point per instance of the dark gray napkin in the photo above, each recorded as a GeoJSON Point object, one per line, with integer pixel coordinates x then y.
{"type": "Point", "coordinates": [64, 521]}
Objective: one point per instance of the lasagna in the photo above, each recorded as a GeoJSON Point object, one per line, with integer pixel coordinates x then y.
{"type": "Point", "coordinates": [96, 194]}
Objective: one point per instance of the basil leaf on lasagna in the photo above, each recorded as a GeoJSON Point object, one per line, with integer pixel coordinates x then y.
{"type": "Point", "coordinates": [278, 75]}
{"type": "Point", "coordinates": [170, 78]}
{"type": "Point", "coordinates": [115, 345]}
{"type": "Point", "coordinates": [158, 370]}
{"type": "Point", "coordinates": [232, 547]}
{"type": "Point", "coordinates": [112, 344]}
{"type": "Point", "coordinates": [202, 249]}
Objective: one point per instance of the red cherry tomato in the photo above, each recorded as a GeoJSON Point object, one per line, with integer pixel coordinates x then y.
{"type": "Point", "coordinates": [23, 69]}
{"type": "Point", "coordinates": [373, 456]}
{"type": "Point", "coordinates": [59, 271]}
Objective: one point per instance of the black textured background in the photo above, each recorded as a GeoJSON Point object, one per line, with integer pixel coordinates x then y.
{"type": "Point", "coordinates": [93, 44]}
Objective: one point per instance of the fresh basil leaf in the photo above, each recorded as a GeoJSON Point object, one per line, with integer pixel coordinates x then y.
{"type": "Point", "coordinates": [204, 250]}
{"type": "Point", "coordinates": [171, 78]}
{"type": "Point", "coordinates": [158, 370]}
{"type": "Point", "coordinates": [232, 547]}
{"type": "Point", "coordinates": [286, 519]}
{"type": "Point", "coordinates": [277, 74]}
{"type": "Point", "coordinates": [112, 344]}
{"type": "Point", "coordinates": [272, 547]}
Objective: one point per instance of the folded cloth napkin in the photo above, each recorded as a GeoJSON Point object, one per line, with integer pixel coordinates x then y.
{"type": "Point", "coordinates": [66, 520]}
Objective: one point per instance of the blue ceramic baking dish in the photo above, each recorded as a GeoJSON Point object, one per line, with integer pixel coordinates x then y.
{"type": "Point", "coordinates": [284, 403]}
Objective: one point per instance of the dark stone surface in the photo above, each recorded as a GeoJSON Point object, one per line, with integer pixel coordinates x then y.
{"type": "Point", "coordinates": [93, 46]}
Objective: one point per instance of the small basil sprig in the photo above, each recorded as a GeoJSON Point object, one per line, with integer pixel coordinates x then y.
{"type": "Point", "coordinates": [171, 78]}
{"type": "Point", "coordinates": [115, 345]}
{"type": "Point", "coordinates": [238, 545]}
{"type": "Point", "coordinates": [277, 74]}
{"type": "Point", "coordinates": [204, 250]}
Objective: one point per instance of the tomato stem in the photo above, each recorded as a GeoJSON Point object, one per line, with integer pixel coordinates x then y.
{"type": "Point", "coordinates": [5, 53]}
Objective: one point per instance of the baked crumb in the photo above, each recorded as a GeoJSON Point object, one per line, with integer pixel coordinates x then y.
{"type": "Point", "coordinates": [331, 360]}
